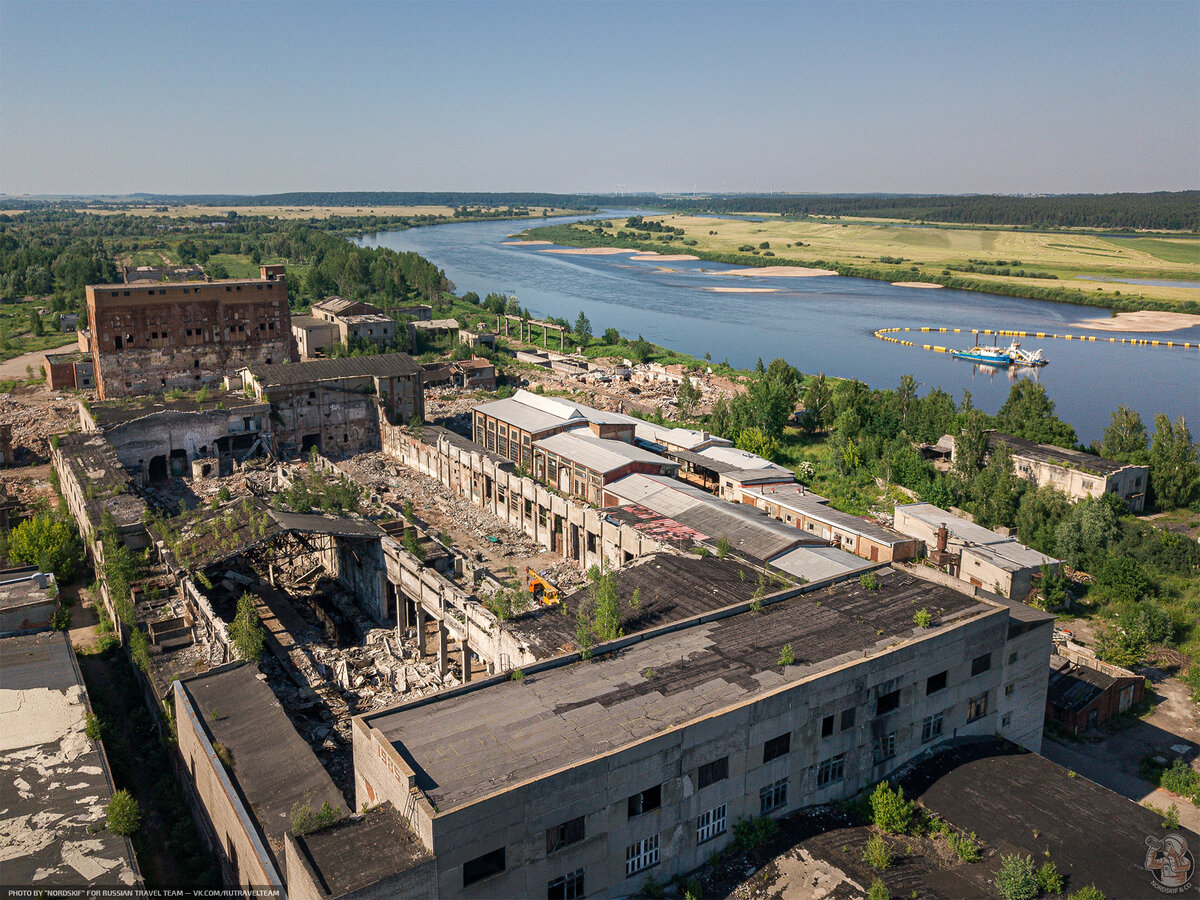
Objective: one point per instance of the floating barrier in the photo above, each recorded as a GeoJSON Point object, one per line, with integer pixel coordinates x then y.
{"type": "Point", "coordinates": [884, 335]}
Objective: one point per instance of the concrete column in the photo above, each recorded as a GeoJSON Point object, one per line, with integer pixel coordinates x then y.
{"type": "Point", "coordinates": [466, 661]}
{"type": "Point", "coordinates": [420, 629]}
{"type": "Point", "coordinates": [562, 339]}
{"type": "Point", "coordinates": [443, 655]}
{"type": "Point", "coordinates": [545, 336]}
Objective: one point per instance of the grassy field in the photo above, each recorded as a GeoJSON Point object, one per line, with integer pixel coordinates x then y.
{"type": "Point", "coordinates": [297, 212]}
{"type": "Point", "coordinates": [16, 338]}
{"type": "Point", "coordinates": [932, 250]}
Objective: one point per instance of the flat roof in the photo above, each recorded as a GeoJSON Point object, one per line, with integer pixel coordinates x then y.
{"type": "Point", "coordinates": [737, 459]}
{"type": "Point", "coordinates": [819, 563]}
{"type": "Point", "coordinates": [25, 587]}
{"type": "Point", "coordinates": [95, 465]}
{"type": "Point", "coordinates": [362, 850]}
{"type": "Point", "coordinates": [72, 356]}
{"type": "Point", "coordinates": [1012, 556]}
{"type": "Point", "coordinates": [598, 454]}
{"type": "Point", "coordinates": [110, 413]}
{"type": "Point", "coordinates": [643, 499]}
{"type": "Point", "coordinates": [273, 766]}
{"type": "Point", "coordinates": [436, 324]}
{"type": "Point", "coordinates": [935, 517]}
{"type": "Point", "coordinates": [367, 318]}
{"type": "Point", "coordinates": [55, 780]}
{"type": "Point", "coordinates": [479, 741]}
{"type": "Point", "coordinates": [337, 304]}
{"type": "Point", "coordinates": [1072, 686]}
{"type": "Point", "coordinates": [515, 414]}
{"type": "Point", "coordinates": [1058, 456]}
{"type": "Point", "coordinates": [798, 499]}
{"type": "Point", "coordinates": [177, 285]}
{"type": "Point", "coordinates": [383, 365]}
{"type": "Point", "coordinates": [311, 322]}
{"type": "Point", "coordinates": [670, 588]}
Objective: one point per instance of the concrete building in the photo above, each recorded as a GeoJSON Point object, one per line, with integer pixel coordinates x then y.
{"type": "Point", "coordinates": [580, 464]}
{"type": "Point", "coordinates": [337, 405]}
{"type": "Point", "coordinates": [158, 437]}
{"type": "Point", "coordinates": [150, 337]}
{"type": "Point", "coordinates": [972, 553]}
{"type": "Point", "coordinates": [167, 273]}
{"type": "Point", "coordinates": [69, 371]}
{"type": "Point", "coordinates": [68, 322]}
{"type": "Point", "coordinates": [593, 776]}
{"type": "Point", "coordinates": [1085, 691]}
{"type": "Point", "coordinates": [56, 781]}
{"type": "Point", "coordinates": [1076, 474]}
{"type": "Point", "coordinates": [474, 374]}
{"type": "Point", "coordinates": [794, 505]}
{"type": "Point", "coordinates": [420, 312]}
{"type": "Point", "coordinates": [354, 321]}
{"type": "Point", "coordinates": [476, 337]}
{"type": "Point", "coordinates": [313, 336]}
{"type": "Point", "coordinates": [93, 482]}
{"type": "Point", "coordinates": [28, 598]}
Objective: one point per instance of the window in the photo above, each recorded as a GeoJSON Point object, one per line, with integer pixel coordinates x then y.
{"type": "Point", "coordinates": [847, 719]}
{"type": "Point", "coordinates": [1006, 721]}
{"type": "Point", "coordinates": [1012, 657]}
{"type": "Point", "coordinates": [641, 855]}
{"type": "Point", "coordinates": [777, 747]}
{"type": "Point", "coordinates": [649, 799]}
{"type": "Point", "coordinates": [831, 771]}
{"type": "Point", "coordinates": [885, 747]}
{"type": "Point", "coordinates": [563, 835]}
{"type": "Point", "coordinates": [483, 866]}
{"type": "Point", "coordinates": [827, 727]}
{"type": "Point", "coordinates": [887, 703]}
{"type": "Point", "coordinates": [711, 773]}
{"type": "Point", "coordinates": [931, 728]}
{"type": "Point", "coordinates": [977, 707]}
{"type": "Point", "coordinates": [566, 887]}
{"type": "Point", "coordinates": [935, 683]}
{"type": "Point", "coordinates": [710, 824]}
{"type": "Point", "coordinates": [981, 664]}
{"type": "Point", "coordinates": [1008, 689]}
{"type": "Point", "coordinates": [773, 796]}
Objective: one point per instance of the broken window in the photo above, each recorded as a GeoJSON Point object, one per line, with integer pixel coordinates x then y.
{"type": "Point", "coordinates": [885, 747]}
{"type": "Point", "coordinates": [777, 747]}
{"type": "Point", "coordinates": [649, 799]}
{"type": "Point", "coordinates": [981, 664]}
{"type": "Point", "coordinates": [931, 728]}
{"type": "Point", "coordinates": [564, 835]}
{"type": "Point", "coordinates": [566, 887]}
{"type": "Point", "coordinates": [711, 773]}
{"type": "Point", "coordinates": [847, 719]}
{"type": "Point", "coordinates": [887, 703]}
{"type": "Point", "coordinates": [483, 866]}
{"type": "Point", "coordinates": [935, 683]}
{"type": "Point", "coordinates": [977, 707]}
{"type": "Point", "coordinates": [831, 771]}
{"type": "Point", "coordinates": [773, 796]}
{"type": "Point", "coordinates": [827, 727]}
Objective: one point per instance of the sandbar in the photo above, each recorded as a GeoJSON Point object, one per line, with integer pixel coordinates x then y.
{"type": "Point", "coordinates": [589, 251]}
{"type": "Point", "coordinates": [660, 257]}
{"type": "Point", "coordinates": [916, 284]}
{"type": "Point", "coordinates": [524, 243]}
{"type": "Point", "coordinates": [1144, 320]}
{"type": "Point", "coordinates": [741, 290]}
{"type": "Point", "coordinates": [780, 272]}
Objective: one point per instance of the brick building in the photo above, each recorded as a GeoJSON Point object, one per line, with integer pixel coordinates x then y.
{"type": "Point", "coordinates": [69, 371]}
{"type": "Point", "coordinates": [151, 337]}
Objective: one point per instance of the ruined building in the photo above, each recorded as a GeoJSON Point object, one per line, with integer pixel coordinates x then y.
{"type": "Point", "coordinates": [154, 336]}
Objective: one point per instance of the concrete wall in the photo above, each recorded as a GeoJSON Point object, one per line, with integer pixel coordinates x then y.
{"type": "Point", "coordinates": [226, 820]}
{"type": "Point", "coordinates": [418, 882]}
{"type": "Point", "coordinates": [517, 818]}
{"type": "Point", "coordinates": [849, 539]}
{"type": "Point", "coordinates": [1128, 483]}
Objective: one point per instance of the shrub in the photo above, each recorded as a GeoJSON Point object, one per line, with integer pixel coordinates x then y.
{"type": "Point", "coordinates": [922, 618]}
{"type": "Point", "coordinates": [693, 890]}
{"type": "Point", "coordinates": [869, 580]}
{"type": "Point", "coordinates": [722, 547]}
{"type": "Point", "coordinates": [92, 729]}
{"type": "Point", "coordinates": [122, 815]}
{"type": "Point", "coordinates": [139, 649]}
{"type": "Point", "coordinates": [877, 854]}
{"type": "Point", "coordinates": [965, 845]}
{"type": "Point", "coordinates": [1049, 878]}
{"type": "Point", "coordinates": [246, 629]}
{"type": "Point", "coordinates": [1089, 892]}
{"type": "Point", "coordinates": [517, 675]}
{"type": "Point", "coordinates": [749, 833]}
{"type": "Point", "coordinates": [878, 891]}
{"type": "Point", "coordinates": [60, 619]}
{"type": "Point", "coordinates": [1181, 779]}
{"type": "Point", "coordinates": [305, 821]}
{"type": "Point", "coordinates": [1016, 879]}
{"type": "Point", "coordinates": [889, 810]}
{"type": "Point", "coordinates": [786, 656]}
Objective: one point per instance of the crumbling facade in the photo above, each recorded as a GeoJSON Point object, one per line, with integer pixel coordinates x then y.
{"type": "Point", "coordinates": [151, 337]}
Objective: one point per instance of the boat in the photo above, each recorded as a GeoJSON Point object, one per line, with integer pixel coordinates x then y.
{"type": "Point", "coordinates": [992, 356]}
{"type": "Point", "coordinates": [1020, 357]}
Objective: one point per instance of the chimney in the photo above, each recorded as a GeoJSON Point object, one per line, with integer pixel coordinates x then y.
{"type": "Point", "coordinates": [942, 535]}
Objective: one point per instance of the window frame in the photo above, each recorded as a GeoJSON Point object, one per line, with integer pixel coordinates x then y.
{"type": "Point", "coordinates": [642, 855]}
{"type": "Point", "coordinates": [773, 796]}
{"type": "Point", "coordinates": [977, 707]}
{"type": "Point", "coordinates": [712, 772]}
{"type": "Point", "coordinates": [563, 834]}
{"type": "Point", "coordinates": [712, 823]}
{"type": "Point", "coordinates": [640, 799]}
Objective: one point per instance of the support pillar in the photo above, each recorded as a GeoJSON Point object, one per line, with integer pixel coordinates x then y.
{"type": "Point", "coordinates": [562, 339]}
{"type": "Point", "coordinates": [545, 336]}
{"type": "Point", "coordinates": [442, 654]}
{"type": "Point", "coordinates": [466, 661]}
{"type": "Point", "coordinates": [420, 629]}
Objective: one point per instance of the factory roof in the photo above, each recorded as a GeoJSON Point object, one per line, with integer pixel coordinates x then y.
{"type": "Point", "coordinates": [368, 318]}
{"type": "Point", "coordinates": [111, 413]}
{"type": "Point", "coordinates": [56, 780]}
{"type": "Point", "coordinates": [273, 766]}
{"type": "Point", "coordinates": [1058, 456]}
{"type": "Point", "coordinates": [435, 324]}
{"type": "Point", "coordinates": [336, 305]}
{"type": "Point", "coordinates": [598, 454]}
{"type": "Point", "coordinates": [72, 356]}
{"type": "Point", "coordinates": [385, 365]}
{"type": "Point", "coordinates": [1072, 686]}
{"type": "Point", "coordinates": [820, 563]}
{"type": "Point", "coordinates": [93, 462]}
{"type": "Point", "coordinates": [960, 528]}
{"type": "Point", "coordinates": [769, 474]}
{"type": "Point", "coordinates": [310, 322]}
{"type": "Point", "coordinates": [734, 459]}
{"type": "Point", "coordinates": [1011, 555]}
{"type": "Point", "coordinates": [798, 499]}
{"type": "Point", "coordinates": [564, 715]}
{"type": "Point", "coordinates": [673, 510]}
{"type": "Point", "coordinates": [25, 586]}
{"type": "Point", "coordinates": [178, 286]}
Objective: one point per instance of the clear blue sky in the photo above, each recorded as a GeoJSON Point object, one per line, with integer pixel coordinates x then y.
{"type": "Point", "coordinates": [215, 97]}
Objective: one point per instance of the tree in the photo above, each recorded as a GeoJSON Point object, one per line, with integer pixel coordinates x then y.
{"type": "Point", "coordinates": [1016, 879]}
{"type": "Point", "coordinates": [996, 491]}
{"type": "Point", "coordinates": [640, 350]}
{"type": "Point", "coordinates": [583, 328]}
{"type": "Point", "coordinates": [890, 812]}
{"type": "Point", "coordinates": [122, 815]}
{"type": "Point", "coordinates": [817, 399]}
{"type": "Point", "coordinates": [246, 629]}
{"type": "Point", "coordinates": [754, 440]}
{"type": "Point", "coordinates": [35, 323]}
{"type": "Point", "coordinates": [1085, 533]}
{"type": "Point", "coordinates": [970, 444]}
{"type": "Point", "coordinates": [612, 336]}
{"type": "Point", "coordinates": [50, 543]}
{"type": "Point", "coordinates": [1029, 413]}
{"type": "Point", "coordinates": [1174, 469]}
{"type": "Point", "coordinates": [906, 393]}
{"type": "Point", "coordinates": [1038, 517]}
{"type": "Point", "coordinates": [687, 397]}
{"type": "Point", "coordinates": [1125, 437]}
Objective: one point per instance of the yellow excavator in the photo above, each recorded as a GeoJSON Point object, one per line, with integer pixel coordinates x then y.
{"type": "Point", "coordinates": [541, 587]}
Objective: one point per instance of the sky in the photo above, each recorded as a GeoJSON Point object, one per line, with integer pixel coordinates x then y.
{"type": "Point", "coordinates": [243, 97]}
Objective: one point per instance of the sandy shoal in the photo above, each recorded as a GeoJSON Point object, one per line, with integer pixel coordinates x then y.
{"type": "Point", "coordinates": [659, 257]}
{"type": "Point", "coordinates": [741, 290]}
{"type": "Point", "coordinates": [780, 272]}
{"type": "Point", "coordinates": [1144, 320]}
{"type": "Point", "coordinates": [589, 251]}
{"type": "Point", "coordinates": [524, 243]}
{"type": "Point", "coordinates": [916, 284]}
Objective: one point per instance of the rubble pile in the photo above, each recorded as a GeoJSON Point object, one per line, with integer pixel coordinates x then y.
{"type": "Point", "coordinates": [35, 415]}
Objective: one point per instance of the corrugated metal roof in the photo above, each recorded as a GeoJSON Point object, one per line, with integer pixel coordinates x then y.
{"type": "Point", "coordinates": [736, 459]}
{"type": "Point", "coordinates": [598, 454]}
{"type": "Point", "coordinates": [815, 507]}
{"type": "Point", "coordinates": [935, 517]}
{"type": "Point", "coordinates": [816, 563]}
{"type": "Point", "coordinates": [384, 365]}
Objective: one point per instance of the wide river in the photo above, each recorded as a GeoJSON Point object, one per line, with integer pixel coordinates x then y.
{"type": "Point", "coordinates": [822, 324]}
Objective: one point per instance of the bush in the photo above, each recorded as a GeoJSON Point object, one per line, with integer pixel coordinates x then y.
{"type": "Point", "coordinates": [965, 845]}
{"type": "Point", "coordinates": [305, 821]}
{"type": "Point", "coordinates": [877, 854]}
{"type": "Point", "coordinates": [50, 543]}
{"type": "Point", "coordinates": [1016, 879]}
{"type": "Point", "coordinates": [246, 629]}
{"type": "Point", "coordinates": [60, 619]}
{"type": "Point", "coordinates": [1090, 892]}
{"type": "Point", "coordinates": [122, 815]}
{"type": "Point", "coordinates": [878, 891]}
{"type": "Point", "coordinates": [1181, 779]}
{"type": "Point", "coordinates": [693, 890]}
{"type": "Point", "coordinates": [922, 618]}
{"type": "Point", "coordinates": [890, 812]}
{"type": "Point", "coordinates": [870, 581]}
{"type": "Point", "coordinates": [749, 833]}
{"type": "Point", "coordinates": [1049, 878]}
{"type": "Point", "coordinates": [92, 729]}
{"type": "Point", "coordinates": [786, 656]}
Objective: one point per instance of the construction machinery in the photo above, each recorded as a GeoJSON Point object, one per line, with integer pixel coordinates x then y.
{"type": "Point", "coordinates": [541, 587]}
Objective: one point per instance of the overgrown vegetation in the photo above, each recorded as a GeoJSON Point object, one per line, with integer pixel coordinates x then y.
{"type": "Point", "coordinates": [305, 820]}
{"type": "Point", "coordinates": [122, 815]}
{"type": "Point", "coordinates": [1016, 879]}
{"type": "Point", "coordinates": [890, 812]}
{"type": "Point", "coordinates": [246, 630]}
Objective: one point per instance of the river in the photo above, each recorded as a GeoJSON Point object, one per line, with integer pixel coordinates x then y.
{"type": "Point", "coordinates": [822, 324]}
